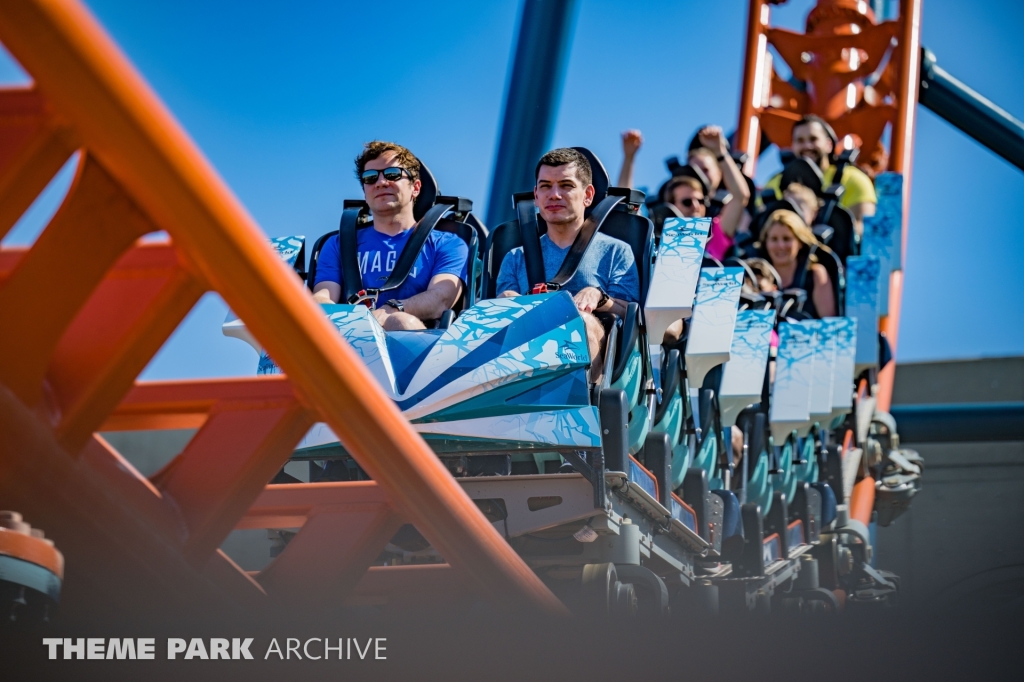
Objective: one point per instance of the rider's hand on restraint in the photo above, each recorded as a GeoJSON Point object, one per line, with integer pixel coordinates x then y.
{"type": "Point", "coordinates": [588, 299]}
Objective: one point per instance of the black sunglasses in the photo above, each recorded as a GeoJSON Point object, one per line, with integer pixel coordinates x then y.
{"type": "Point", "coordinates": [393, 174]}
{"type": "Point", "coordinates": [690, 202]}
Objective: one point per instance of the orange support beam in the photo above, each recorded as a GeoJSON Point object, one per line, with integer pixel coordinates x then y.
{"type": "Point", "coordinates": [901, 160]}
{"type": "Point", "coordinates": [862, 500]}
{"type": "Point", "coordinates": [748, 130]}
{"type": "Point", "coordinates": [343, 527]}
{"type": "Point", "coordinates": [71, 368]}
{"type": "Point", "coordinates": [842, 45]}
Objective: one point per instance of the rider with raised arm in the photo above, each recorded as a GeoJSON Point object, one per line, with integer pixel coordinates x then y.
{"type": "Point", "coordinates": [606, 279]}
{"type": "Point", "coordinates": [389, 174]}
{"type": "Point", "coordinates": [815, 141]}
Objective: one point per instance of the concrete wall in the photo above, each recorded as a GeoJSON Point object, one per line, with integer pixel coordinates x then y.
{"type": "Point", "coordinates": [960, 543]}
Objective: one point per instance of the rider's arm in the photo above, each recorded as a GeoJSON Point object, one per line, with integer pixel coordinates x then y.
{"type": "Point", "coordinates": [859, 196]}
{"type": "Point", "coordinates": [447, 273]}
{"type": "Point", "coordinates": [732, 212]}
{"type": "Point", "coordinates": [327, 288]}
{"type": "Point", "coordinates": [441, 294]}
{"type": "Point", "coordinates": [327, 292]}
{"type": "Point", "coordinates": [623, 286]}
{"type": "Point", "coordinates": [631, 141]}
{"type": "Point", "coordinates": [508, 283]}
{"type": "Point", "coordinates": [859, 212]}
{"type": "Point", "coordinates": [824, 295]}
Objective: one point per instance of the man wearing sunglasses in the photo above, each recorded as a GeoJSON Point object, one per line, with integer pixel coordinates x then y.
{"type": "Point", "coordinates": [389, 174]}
{"type": "Point", "coordinates": [606, 279]}
{"type": "Point", "coordinates": [692, 197]}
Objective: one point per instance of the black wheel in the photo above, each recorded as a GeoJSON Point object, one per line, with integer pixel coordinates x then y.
{"type": "Point", "coordinates": [820, 600]}
{"type": "Point", "coordinates": [604, 595]}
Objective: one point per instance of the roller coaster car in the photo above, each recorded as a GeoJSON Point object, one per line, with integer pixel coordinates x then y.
{"type": "Point", "coordinates": [654, 519]}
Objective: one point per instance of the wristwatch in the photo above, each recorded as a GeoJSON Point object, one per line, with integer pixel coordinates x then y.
{"type": "Point", "coordinates": [604, 299]}
{"type": "Point", "coordinates": [396, 304]}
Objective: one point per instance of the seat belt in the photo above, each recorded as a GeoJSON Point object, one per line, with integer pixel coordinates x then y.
{"type": "Point", "coordinates": [571, 263]}
{"type": "Point", "coordinates": [802, 270]}
{"type": "Point", "coordinates": [411, 251]}
{"type": "Point", "coordinates": [348, 251]}
{"type": "Point", "coordinates": [526, 212]}
{"type": "Point", "coordinates": [584, 238]}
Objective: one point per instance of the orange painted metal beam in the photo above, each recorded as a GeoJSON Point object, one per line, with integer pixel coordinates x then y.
{"type": "Point", "coordinates": [862, 500]}
{"type": "Point", "coordinates": [412, 586]}
{"type": "Point", "coordinates": [901, 160]}
{"type": "Point", "coordinates": [72, 499]}
{"type": "Point", "coordinates": [187, 404]}
{"type": "Point", "coordinates": [33, 147]}
{"type": "Point", "coordinates": [748, 130]}
{"type": "Point", "coordinates": [842, 44]}
{"type": "Point", "coordinates": [138, 145]}
{"type": "Point", "coordinates": [55, 276]}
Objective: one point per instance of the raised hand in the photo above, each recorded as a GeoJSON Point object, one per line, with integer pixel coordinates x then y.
{"type": "Point", "coordinates": [632, 140]}
{"type": "Point", "coordinates": [714, 139]}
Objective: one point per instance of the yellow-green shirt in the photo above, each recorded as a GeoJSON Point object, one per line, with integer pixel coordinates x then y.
{"type": "Point", "coordinates": [858, 186]}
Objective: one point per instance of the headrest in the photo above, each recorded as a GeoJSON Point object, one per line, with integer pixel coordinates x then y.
{"type": "Point", "coordinates": [760, 222]}
{"type": "Point", "coordinates": [687, 171]}
{"type": "Point", "coordinates": [601, 180]}
{"type": "Point", "coordinates": [428, 192]}
{"type": "Point", "coordinates": [804, 172]}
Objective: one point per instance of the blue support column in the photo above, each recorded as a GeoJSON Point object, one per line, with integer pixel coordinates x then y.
{"type": "Point", "coordinates": [531, 102]}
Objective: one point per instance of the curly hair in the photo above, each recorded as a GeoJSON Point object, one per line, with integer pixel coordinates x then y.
{"type": "Point", "coordinates": [376, 148]}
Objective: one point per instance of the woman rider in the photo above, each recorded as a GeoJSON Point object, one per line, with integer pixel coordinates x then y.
{"type": "Point", "coordinates": [788, 245]}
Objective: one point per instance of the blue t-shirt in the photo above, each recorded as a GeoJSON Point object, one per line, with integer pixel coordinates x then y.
{"type": "Point", "coordinates": [608, 265]}
{"type": "Point", "coordinates": [442, 254]}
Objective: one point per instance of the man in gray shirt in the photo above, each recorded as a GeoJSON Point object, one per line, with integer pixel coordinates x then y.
{"type": "Point", "coordinates": [606, 280]}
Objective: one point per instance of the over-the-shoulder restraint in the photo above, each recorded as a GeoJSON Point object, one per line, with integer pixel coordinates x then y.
{"type": "Point", "coordinates": [536, 276]}
{"type": "Point", "coordinates": [419, 237]}
{"type": "Point", "coordinates": [348, 249]}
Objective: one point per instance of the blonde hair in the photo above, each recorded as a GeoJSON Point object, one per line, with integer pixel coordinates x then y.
{"type": "Point", "coordinates": [802, 192]}
{"type": "Point", "coordinates": [794, 222]}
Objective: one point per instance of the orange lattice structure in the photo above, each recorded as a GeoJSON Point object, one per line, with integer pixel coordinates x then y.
{"type": "Point", "coordinates": [861, 76]}
{"type": "Point", "coordinates": [86, 307]}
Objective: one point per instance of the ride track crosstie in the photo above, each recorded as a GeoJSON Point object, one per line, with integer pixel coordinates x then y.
{"type": "Point", "coordinates": [660, 519]}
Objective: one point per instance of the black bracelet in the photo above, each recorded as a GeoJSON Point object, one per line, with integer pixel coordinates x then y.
{"type": "Point", "coordinates": [604, 299]}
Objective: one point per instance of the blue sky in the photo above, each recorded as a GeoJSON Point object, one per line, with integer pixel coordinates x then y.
{"type": "Point", "coordinates": [280, 97]}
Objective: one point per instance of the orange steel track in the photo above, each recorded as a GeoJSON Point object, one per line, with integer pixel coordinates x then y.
{"type": "Point", "coordinates": [843, 45]}
{"type": "Point", "coordinates": [85, 308]}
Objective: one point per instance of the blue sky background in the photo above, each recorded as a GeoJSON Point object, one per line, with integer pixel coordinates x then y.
{"type": "Point", "coordinates": [280, 97]}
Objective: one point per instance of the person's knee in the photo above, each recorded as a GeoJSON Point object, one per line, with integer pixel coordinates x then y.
{"type": "Point", "coordinates": [397, 322]}
{"type": "Point", "coordinates": [595, 335]}
{"type": "Point", "coordinates": [673, 333]}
